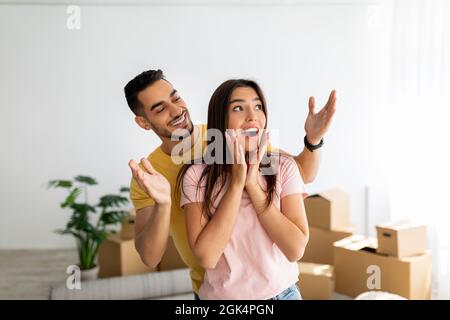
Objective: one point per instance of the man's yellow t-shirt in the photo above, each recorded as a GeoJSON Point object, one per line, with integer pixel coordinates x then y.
{"type": "Point", "coordinates": [164, 164]}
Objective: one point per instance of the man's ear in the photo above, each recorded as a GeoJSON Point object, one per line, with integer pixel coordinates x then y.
{"type": "Point", "coordinates": [143, 123]}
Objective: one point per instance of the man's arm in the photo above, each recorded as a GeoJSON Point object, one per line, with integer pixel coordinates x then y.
{"type": "Point", "coordinates": [308, 163]}
{"type": "Point", "coordinates": [316, 125]}
{"type": "Point", "coordinates": [151, 231]}
{"type": "Point", "coordinates": [152, 223]}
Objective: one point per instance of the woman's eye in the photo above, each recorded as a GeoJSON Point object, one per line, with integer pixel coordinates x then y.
{"type": "Point", "coordinates": [177, 99]}
{"type": "Point", "coordinates": [237, 108]}
{"type": "Point", "coordinates": [258, 107]}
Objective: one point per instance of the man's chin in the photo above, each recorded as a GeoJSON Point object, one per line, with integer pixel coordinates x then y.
{"type": "Point", "coordinates": [182, 133]}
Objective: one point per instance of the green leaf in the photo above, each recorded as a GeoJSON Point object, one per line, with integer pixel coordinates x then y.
{"type": "Point", "coordinates": [59, 184]}
{"type": "Point", "coordinates": [113, 217]}
{"type": "Point", "coordinates": [73, 233]}
{"type": "Point", "coordinates": [82, 208]}
{"type": "Point", "coordinates": [99, 235]}
{"type": "Point", "coordinates": [112, 200]}
{"type": "Point", "coordinates": [124, 189]}
{"type": "Point", "coordinates": [71, 197]}
{"type": "Point", "coordinates": [86, 180]}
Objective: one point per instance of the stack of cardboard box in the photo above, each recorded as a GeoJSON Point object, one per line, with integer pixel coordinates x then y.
{"type": "Point", "coordinates": [329, 221]}
{"type": "Point", "coordinates": [398, 262]}
{"type": "Point", "coordinates": [316, 281]}
{"type": "Point", "coordinates": [118, 256]}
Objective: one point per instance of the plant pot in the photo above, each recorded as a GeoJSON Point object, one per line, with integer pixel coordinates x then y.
{"type": "Point", "coordinates": [89, 274]}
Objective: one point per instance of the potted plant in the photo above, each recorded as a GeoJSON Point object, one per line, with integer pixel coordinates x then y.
{"type": "Point", "coordinates": [89, 233]}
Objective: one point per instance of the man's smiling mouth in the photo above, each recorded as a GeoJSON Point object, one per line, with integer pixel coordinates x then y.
{"type": "Point", "coordinates": [180, 122]}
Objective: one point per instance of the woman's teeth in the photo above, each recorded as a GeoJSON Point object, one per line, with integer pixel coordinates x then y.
{"type": "Point", "coordinates": [251, 132]}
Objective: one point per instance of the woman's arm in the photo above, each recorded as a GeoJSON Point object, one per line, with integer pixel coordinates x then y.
{"type": "Point", "coordinates": [288, 228]}
{"type": "Point", "coordinates": [209, 238]}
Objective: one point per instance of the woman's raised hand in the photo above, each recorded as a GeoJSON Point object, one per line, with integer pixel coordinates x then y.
{"type": "Point", "coordinates": [255, 158]}
{"type": "Point", "coordinates": [238, 166]}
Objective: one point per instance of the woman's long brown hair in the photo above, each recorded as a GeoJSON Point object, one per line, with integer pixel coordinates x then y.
{"type": "Point", "coordinates": [217, 173]}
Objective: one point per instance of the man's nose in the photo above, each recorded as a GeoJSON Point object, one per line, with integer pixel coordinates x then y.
{"type": "Point", "coordinates": [174, 110]}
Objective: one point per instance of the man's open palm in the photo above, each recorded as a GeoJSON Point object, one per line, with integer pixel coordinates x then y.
{"type": "Point", "coordinates": [317, 124]}
{"type": "Point", "coordinates": [151, 181]}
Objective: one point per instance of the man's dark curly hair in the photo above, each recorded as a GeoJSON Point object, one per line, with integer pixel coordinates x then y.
{"type": "Point", "coordinates": [139, 83]}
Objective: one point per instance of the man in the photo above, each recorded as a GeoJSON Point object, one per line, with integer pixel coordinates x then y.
{"type": "Point", "coordinates": [159, 107]}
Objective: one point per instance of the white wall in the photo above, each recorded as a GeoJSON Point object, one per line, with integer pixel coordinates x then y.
{"type": "Point", "coordinates": [63, 113]}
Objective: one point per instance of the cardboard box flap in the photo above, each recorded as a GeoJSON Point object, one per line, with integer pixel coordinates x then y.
{"type": "Point", "coordinates": [330, 195]}
{"type": "Point", "coordinates": [357, 242]}
{"type": "Point", "coordinates": [411, 259]}
{"type": "Point", "coordinates": [115, 237]}
{"type": "Point", "coordinates": [350, 229]}
{"type": "Point", "coordinates": [316, 269]}
{"type": "Point", "coordinates": [401, 225]}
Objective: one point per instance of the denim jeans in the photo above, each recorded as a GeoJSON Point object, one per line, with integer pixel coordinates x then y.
{"type": "Point", "coordinates": [291, 293]}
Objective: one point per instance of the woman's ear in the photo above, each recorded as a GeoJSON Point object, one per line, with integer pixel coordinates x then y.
{"type": "Point", "coordinates": [143, 123]}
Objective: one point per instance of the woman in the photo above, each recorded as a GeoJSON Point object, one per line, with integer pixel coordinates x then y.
{"type": "Point", "coordinates": [248, 230]}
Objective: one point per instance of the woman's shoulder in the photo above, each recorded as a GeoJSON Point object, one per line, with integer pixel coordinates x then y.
{"type": "Point", "coordinates": [195, 171]}
{"type": "Point", "coordinates": [285, 162]}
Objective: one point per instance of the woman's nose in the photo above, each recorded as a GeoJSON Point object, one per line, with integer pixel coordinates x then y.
{"type": "Point", "coordinates": [251, 116]}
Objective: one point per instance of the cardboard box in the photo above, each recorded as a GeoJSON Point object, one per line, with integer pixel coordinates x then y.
{"type": "Point", "coordinates": [118, 257]}
{"type": "Point", "coordinates": [171, 259]}
{"type": "Point", "coordinates": [328, 210]}
{"type": "Point", "coordinates": [359, 268]}
{"type": "Point", "coordinates": [127, 229]}
{"type": "Point", "coordinates": [402, 239]}
{"type": "Point", "coordinates": [316, 281]}
{"type": "Point", "coordinates": [320, 245]}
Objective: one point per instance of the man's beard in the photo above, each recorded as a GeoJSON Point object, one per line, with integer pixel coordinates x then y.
{"type": "Point", "coordinates": [165, 133]}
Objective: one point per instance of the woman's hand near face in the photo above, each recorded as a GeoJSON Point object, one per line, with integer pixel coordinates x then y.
{"type": "Point", "coordinates": [238, 167]}
{"type": "Point", "coordinates": [255, 159]}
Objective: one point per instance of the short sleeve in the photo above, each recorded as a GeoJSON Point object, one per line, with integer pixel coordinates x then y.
{"type": "Point", "coordinates": [291, 180]}
{"type": "Point", "coordinates": [139, 197]}
{"type": "Point", "coordinates": [192, 191]}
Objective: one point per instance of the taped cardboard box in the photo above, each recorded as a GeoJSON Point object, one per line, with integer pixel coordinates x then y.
{"type": "Point", "coordinates": [127, 229]}
{"type": "Point", "coordinates": [320, 244]}
{"type": "Point", "coordinates": [328, 210]}
{"type": "Point", "coordinates": [118, 257]}
{"type": "Point", "coordinates": [316, 281]}
{"type": "Point", "coordinates": [359, 268]}
{"type": "Point", "coordinates": [171, 259]}
{"type": "Point", "coordinates": [402, 239]}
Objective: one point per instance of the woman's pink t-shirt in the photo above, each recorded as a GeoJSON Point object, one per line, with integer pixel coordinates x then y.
{"type": "Point", "coordinates": [252, 266]}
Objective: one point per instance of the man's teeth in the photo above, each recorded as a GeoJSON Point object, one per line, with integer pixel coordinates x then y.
{"type": "Point", "coordinates": [179, 120]}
